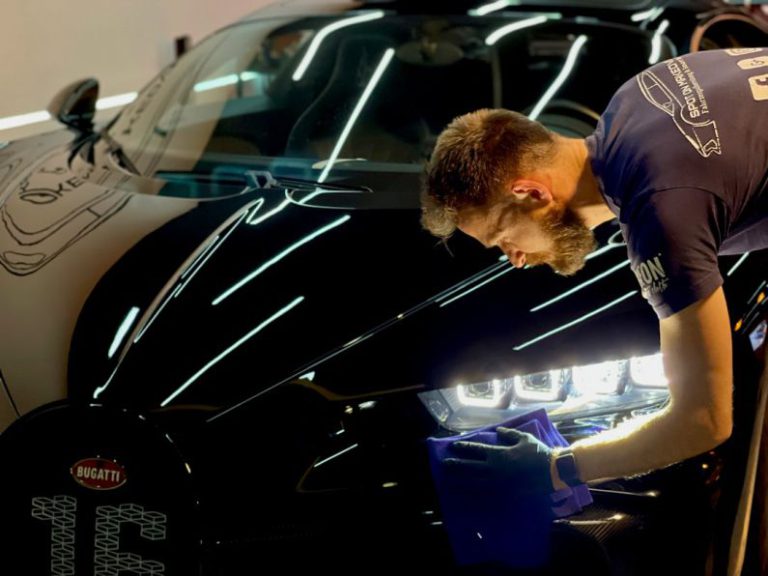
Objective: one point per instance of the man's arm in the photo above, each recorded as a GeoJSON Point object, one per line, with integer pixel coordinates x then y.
{"type": "Point", "coordinates": [696, 346]}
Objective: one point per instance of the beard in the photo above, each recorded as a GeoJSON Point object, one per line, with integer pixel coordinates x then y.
{"type": "Point", "coordinates": [572, 242]}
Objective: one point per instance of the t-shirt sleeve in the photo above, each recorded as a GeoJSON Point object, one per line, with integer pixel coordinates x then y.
{"type": "Point", "coordinates": [673, 237]}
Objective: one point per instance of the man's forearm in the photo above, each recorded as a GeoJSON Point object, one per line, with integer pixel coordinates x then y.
{"type": "Point", "coordinates": [643, 444]}
{"type": "Point", "coordinates": [696, 347]}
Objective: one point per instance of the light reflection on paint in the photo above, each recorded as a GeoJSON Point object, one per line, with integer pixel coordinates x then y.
{"type": "Point", "coordinates": [275, 259]}
{"type": "Point", "coordinates": [202, 254]}
{"type": "Point", "coordinates": [343, 348]}
{"type": "Point", "coordinates": [333, 457]}
{"type": "Point", "coordinates": [580, 286]}
{"type": "Point", "coordinates": [656, 42]}
{"type": "Point", "coordinates": [321, 35]}
{"type": "Point", "coordinates": [488, 8]}
{"type": "Point", "coordinates": [256, 208]}
{"type": "Point", "coordinates": [506, 270]}
{"type": "Point", "coordinates": [738, 263]}
{"type": "Point", "coordinates": [125, 325]}
{"type": "Point", "coordinates": [213, 250]}
{"type": "Point", "coordinates": [157, 313]}
{"type": "Point", "coordinates": [100, 389]}
{"type": "Point", "coordinates": [477, 277]}
{"type": "Point", "coordinates": [377, 74]}
{"type": "Point", "coordinates": [233, 347]}
{"type": "Point", "coordinates": [647, 15]}
{"type": "Point", "coordinates": [497, 35]}
{"type": "Point", "coordinates": [254, 221]}
{"type": "Point", "coordinates": [570, 62]}
{"type": "Point", "coordinates": [575, 322]}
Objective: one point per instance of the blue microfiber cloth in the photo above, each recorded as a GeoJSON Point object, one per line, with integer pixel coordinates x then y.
{"type": "Point", "coordinates": [486, 521]}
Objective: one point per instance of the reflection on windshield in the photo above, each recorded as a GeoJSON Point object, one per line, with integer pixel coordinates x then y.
{"type": "Point", "coordinates": [296, 97]}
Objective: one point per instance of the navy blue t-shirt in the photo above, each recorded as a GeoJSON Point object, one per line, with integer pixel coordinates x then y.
{"type": "Point", "coordinates": [681, 155]}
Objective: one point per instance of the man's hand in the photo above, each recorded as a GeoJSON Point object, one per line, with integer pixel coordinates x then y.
{"type": "Point", "coordinates": [521, 460]}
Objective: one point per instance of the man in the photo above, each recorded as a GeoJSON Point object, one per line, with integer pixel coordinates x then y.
{"type": "Point", "coordinates": [680, 158]}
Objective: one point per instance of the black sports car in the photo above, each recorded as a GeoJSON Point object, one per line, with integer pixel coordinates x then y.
{"type": "Point", "coordinates": [226, 338]}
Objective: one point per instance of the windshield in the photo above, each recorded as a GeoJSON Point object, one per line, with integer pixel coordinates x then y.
{"type": "Point", "coordinates": [314, 96]}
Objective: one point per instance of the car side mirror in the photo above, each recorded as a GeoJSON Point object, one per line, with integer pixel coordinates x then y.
{"type": "Point", "coordinates": [75, 105]}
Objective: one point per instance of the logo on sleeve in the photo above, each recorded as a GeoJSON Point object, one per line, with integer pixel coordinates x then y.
{"type": "Point", "coordinates": [751, 63]}
{"type": "Point", "coordinates": [742, 51]}
{"type": "Point", "coordinates": [759, 86]}
{"type": "Point", "coordinates": [651, 275]}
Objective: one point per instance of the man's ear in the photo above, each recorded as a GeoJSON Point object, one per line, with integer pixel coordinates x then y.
{"type": "Point", "coordinates": [530, 192]}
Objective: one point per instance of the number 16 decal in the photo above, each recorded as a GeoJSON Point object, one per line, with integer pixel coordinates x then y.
{"type": "Point", "coordinates": [108, 560]}
{"type": "Point", "coordinates": [60, 511]}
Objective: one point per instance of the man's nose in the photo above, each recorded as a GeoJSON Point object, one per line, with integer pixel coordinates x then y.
{"type": "Point", "coordinates": [516, 258]}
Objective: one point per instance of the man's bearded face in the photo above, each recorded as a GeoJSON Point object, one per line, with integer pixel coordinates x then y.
{"type": "Point", "coordinates": [571, 241]}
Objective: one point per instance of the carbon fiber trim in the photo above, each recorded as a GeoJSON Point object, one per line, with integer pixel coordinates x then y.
{"type": "Point", "coordinates": [602, 524]}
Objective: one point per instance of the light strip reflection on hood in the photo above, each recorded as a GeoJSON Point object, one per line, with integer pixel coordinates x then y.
{"type": "Point", "coordinates": [492, 7]}
{"type": "Point", "coordinates": [377, 74]}
{"type": "Point", "coordinates": [603, 250]}
{"type": "Point", "coordinates": [580, 286]}
{"type": "Point", "coordinates": [497, 35]}
{"type": "Point", "coordinates": [275, 259]}
{"type": "Point", "coordinates": [570, 62]}
{"type": "Point", "coordinates": [123, 330]}
{"type": "Point", "coordinates": [464, 283]}
{"type": "Point", "coordinates": [487, 281]}
{"type": "Point", "coordinates": [208, 252]}
{"type": "Point", "coordinates": [340, 349]}
{"type": "Point", "coordinates": [253, 222]}
{"type": "Point", "coordinates": [202, 254]}
{"type": "Point", "coordinates": [573, 323]}
{"type": "Point", "coordinates": [257, 206]}
{"type": "Point", "coordinates": [326, 460]}
{"type": "Point", "coordinates": [100, 389]}
{"type": "Point", "coordinates": [738, 263]}
{"type": "Point", "coordinates": [656, 42]}
{"type": "Point", "coordinates": [234, 346]}
{"type": "Point", "coordinates": [157, 313]}
{"type": "Point", "coordinates": [318, 38]}
{"type": "Point", "coordinates": [647, 15]}
{"type": "Point", "coordinates": [216, 246]}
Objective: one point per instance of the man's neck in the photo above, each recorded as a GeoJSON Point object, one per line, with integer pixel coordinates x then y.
{"type": "Point", "coordinates": [582, 190]}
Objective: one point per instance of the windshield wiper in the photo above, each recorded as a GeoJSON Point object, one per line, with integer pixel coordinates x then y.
{"type": "Point", "coordinates": [261, 180]}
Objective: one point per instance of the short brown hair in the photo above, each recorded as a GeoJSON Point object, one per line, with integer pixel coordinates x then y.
{"type": "Point", "coordinates": [474, 156]}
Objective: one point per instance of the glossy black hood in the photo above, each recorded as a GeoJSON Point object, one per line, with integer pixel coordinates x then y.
{"type": "Point", "coordinates": [237, 296]}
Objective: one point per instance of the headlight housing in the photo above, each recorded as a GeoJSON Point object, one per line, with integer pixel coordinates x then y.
{"type": "Point", "coordinates": [629, 386]}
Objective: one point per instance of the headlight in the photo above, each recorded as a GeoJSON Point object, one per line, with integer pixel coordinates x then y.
{"type": "Point", "coordinates": [648, 371]}
{"type": "Point", "coordinates": [483, 394]}
{"type": "Point", "coordinates": [603, 378]}
{"type": "Point", "coordinates": [541, 387]}
{"type": "Point", "coordinates": [615, 389]}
